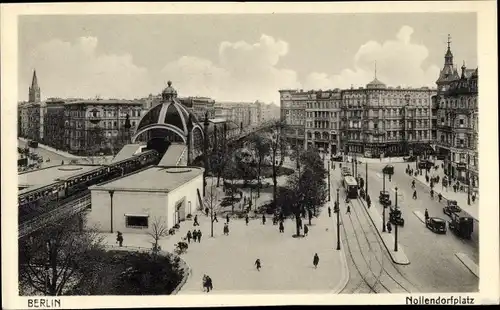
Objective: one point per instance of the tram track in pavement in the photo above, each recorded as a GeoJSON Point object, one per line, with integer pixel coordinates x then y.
{"type": "Point", "coordinates": [377, 279]}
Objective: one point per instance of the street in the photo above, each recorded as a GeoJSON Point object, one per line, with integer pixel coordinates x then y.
{"type": "Point", "coordinates": [434, 266]}
{"type": "Point", "coordinates": [55, 159]}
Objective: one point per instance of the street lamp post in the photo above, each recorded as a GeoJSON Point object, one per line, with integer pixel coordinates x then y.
{"type": "Point", "coordinates": [366, 181]}
{"type": "Point", "coordinates": [396, 226]}
{"type": "Point", "coordinates": [338, 221]}
{"type": "Point", "coordinates": [468, 180]}
{"type": "Point", "coordinates": [383, 205]}
{"type": "Point", "coordinates": [111, 193]}
{"type": "Point", "coordinates": [329, 180]}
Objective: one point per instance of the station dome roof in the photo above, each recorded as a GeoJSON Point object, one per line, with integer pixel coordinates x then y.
{"type": "Point", "coordinates": [169, 113]}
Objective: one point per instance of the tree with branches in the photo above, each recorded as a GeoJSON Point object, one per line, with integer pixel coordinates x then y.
{"type": "Point", "coordinates": [158, 230]}
{"type": "Point", "coordinates": [211, 201]}
{"type": "Point", "coordinates": [278, 151]}
{"type": "Point", "coordinates": [57, 258]}
{"type": "Point", "coordinates": [261, 147]}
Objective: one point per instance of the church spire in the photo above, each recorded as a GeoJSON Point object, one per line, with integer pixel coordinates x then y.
{"type": "Point", "coordinates": [375, 69]}
{"type": "Point", "coordinates": [448, 57]}
{"type": "Point", "coordinates": [34, 90]}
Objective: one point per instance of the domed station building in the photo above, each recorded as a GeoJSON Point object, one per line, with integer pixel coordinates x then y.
{"type": "Point", "coordinates": [170, 125]}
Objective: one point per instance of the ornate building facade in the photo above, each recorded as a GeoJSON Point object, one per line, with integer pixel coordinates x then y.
{"type": "Point", "coordinates": [94, 126]}
{"type": "Point", "coordinates": [372, 121]}
{"type": "Point", "coordinates": [457, 120]}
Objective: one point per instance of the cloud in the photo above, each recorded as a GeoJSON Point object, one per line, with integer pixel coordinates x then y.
{"type": "Point", "coordinates": [399, 62]}
{"type": "Point", "coordinates": [76, 69]}
{"type": "Point", "coordinates": [244, 72]}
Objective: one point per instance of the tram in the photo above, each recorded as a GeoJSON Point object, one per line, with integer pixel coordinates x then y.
{"type": "Point", "coordinates": [351, 187]}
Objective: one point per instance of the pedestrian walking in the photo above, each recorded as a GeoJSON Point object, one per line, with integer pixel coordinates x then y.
{"type": "Point", "coordinates": [316, 260]}
{"type": "Point", "coordinates": [119, 238]}
{"type": "Point", "coordinates": [282, 227]}
{"type": "Point", "coordinates": [227, 218]}
{"type": "Point", "coordinates": [413, 184]}
{"type": "Point", "coordinates": [199, 235]}
{"type": "Point", "coordinates": [329, 211]}
{"type": "Point", "coordinates": [188, 236]}
{"type": "Point", "coordinates": [246, 219]}
{"type": "Point", "coordinates": [226, 229]}
{"type": "Point", "coordinates": [257, 264]}
{"type": "Point", "coordinates": [426, 214]}
{"type": "Point", "coordinates": [440, 197]}
{"type": "Point", "coordinates": [263, 219]}
{"type": "Point", "coordinates": [206, 211]}
{"type": "Point", "coordinates": [306, 230]}
{"type": "Point", "coordinates": [432, 193]}
{"type": "Point", "coordinates": [195, 222]}
{"type": "Point", "coordinates": [348, 209]}
{"type": "Point", "coordinates": [389, 227]}
{"type": "Point", "coordinates": [215, 218]}
{"type": "Point", "coordinates": [414, 194]}
{"type": "Point", "coordinates": [195, 235]}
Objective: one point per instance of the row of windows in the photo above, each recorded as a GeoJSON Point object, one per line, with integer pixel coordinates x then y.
{"type": "Point", "coordinates": [393, 135]}
{"type": "Point", "coordinates": [459, 103]}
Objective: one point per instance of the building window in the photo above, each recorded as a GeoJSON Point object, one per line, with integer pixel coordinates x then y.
{"type": "Point", "coordinates": [136, 221]}
{"type": "Point", "coordinates": [114, 124]}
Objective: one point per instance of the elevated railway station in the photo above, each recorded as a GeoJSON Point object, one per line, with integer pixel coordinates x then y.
{"type": "Point", "coordinates": [167, 135]}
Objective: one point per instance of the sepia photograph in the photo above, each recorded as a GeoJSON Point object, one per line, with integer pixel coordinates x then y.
{"type": "Point", "coordinates": [166, 151]}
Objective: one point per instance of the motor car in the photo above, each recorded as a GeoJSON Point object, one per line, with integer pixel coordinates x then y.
{"type": "Point", "coordinates": [388, 169]}
{"type": "Point", "coordinates": [461, 224]}
{"type": "Point", "coordinates": [425, 164]}
{"type": "Point", "coordinates": [337, 158]}
{"type": "Point", "coordinates": [396, 217]}
{"type": "Point", "coordinates": [436, 224]}
{"type": "Point", "coordinates": [410, 158]}
{"type": "Point", "coordinates": [451, 207]}
{"type": "Point", "coordinates": [383, 197]}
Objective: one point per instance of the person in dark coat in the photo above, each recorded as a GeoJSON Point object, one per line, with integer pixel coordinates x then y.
{"type": "Point", "coordinates": [226, 229]}
{"type": "Point", "coordinates": [119, 238]}
{"type": "Point", "coordinates": [257, 264]}
{"type": "Point", "coordinates": [348, 209]}
{"type": "Point", "coordinates": [195, 235]}
{"type": "Point", "coordinates": [195, 221]}
{"type": "Point", "coordinates": [306, 230]}
{"type": "Point", "coordinates": [426, 214]}
{"type": "Point", "coordinates": [199, 235]}
{"type": "Point", "coordinates": [227, 218]}
{"type": "Point", "coordinates": [210, 285]}
{"type": "Point", "coordinates": [329, 211]}
{"type": "Point", "coordinates": [316, 260]}
{"type": "Point", "coordinates": [206, 211]}
{"type": "Point", "coordinates": [188, 236]}
{"type": "Point", "coordinates": [282, 227]}
{"type": "Point", "coordinates": [389, 227]}
{"type": "Point", "coordinates": [246, 219]}
{"type": "Point", "coordinates": [414, 194]}
{"type": "Point", "coordinates": [440, 197]}
{"type": "Point", "coordinates": [263, 219]}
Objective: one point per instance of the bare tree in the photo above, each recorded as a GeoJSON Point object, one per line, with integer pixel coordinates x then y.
{"type": "Point", "coordinates": [159, 230]}
{"type": "Point", "coordinates": [278, 148]}
{"type": "Point", "coordinates": [56, 259]}
{"type": "Point", "coordinates": [261, 147]}
{"type": "Point", "coordinates": [211, 202]}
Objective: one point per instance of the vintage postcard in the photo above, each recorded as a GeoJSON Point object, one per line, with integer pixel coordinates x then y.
{"type": "Point", "coordinates": [200, 154]}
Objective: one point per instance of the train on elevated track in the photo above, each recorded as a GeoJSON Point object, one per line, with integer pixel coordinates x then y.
{"type": "Point", "coordinates": [43, 199]}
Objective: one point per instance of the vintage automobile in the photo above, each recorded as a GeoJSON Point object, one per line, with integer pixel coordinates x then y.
{"type": "Point", "coordinates": [396, 217]}
{"type": "Point", "coordinates": [461, 224]}
{"type": "Point", "coordinates": [451, 207]}
{"type": "Point", "coordinates": [336, 158]}
{"type": "Point", "coordinates": [425, 164]}
{"type": "Point", "coordinates": [410, 158]}
{"type": "Point", "coordinates": [436, 224]}
{"type": "Point", "coordinates": [383, 198]}
{"type": "Point", "coordinates": [388, 169]}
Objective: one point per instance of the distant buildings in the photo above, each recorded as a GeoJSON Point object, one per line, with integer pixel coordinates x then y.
{"type": "Point", "coordinates": [92, 126]}
{"type": "Point", "coordinates": [457, 120]}
{"type": "Point", "coordinates": [371, 121]}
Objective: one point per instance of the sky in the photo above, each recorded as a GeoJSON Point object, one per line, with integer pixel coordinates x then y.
{"type": "Point", "coordinates": [236, 57]}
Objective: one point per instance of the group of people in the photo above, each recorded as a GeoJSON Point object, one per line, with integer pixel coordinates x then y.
{"type": "Point", "coordinates": [207, 283]}
{"type": "Point", "coordinates": [195, 235]}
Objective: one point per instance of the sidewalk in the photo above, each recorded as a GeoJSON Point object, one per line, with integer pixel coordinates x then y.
{"type": "Point", "coordinates": [449, 194]}
{"type": "Point", "coordinates": [229, 260]}
{"type": "Point", "coordinates": [385, 160]}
